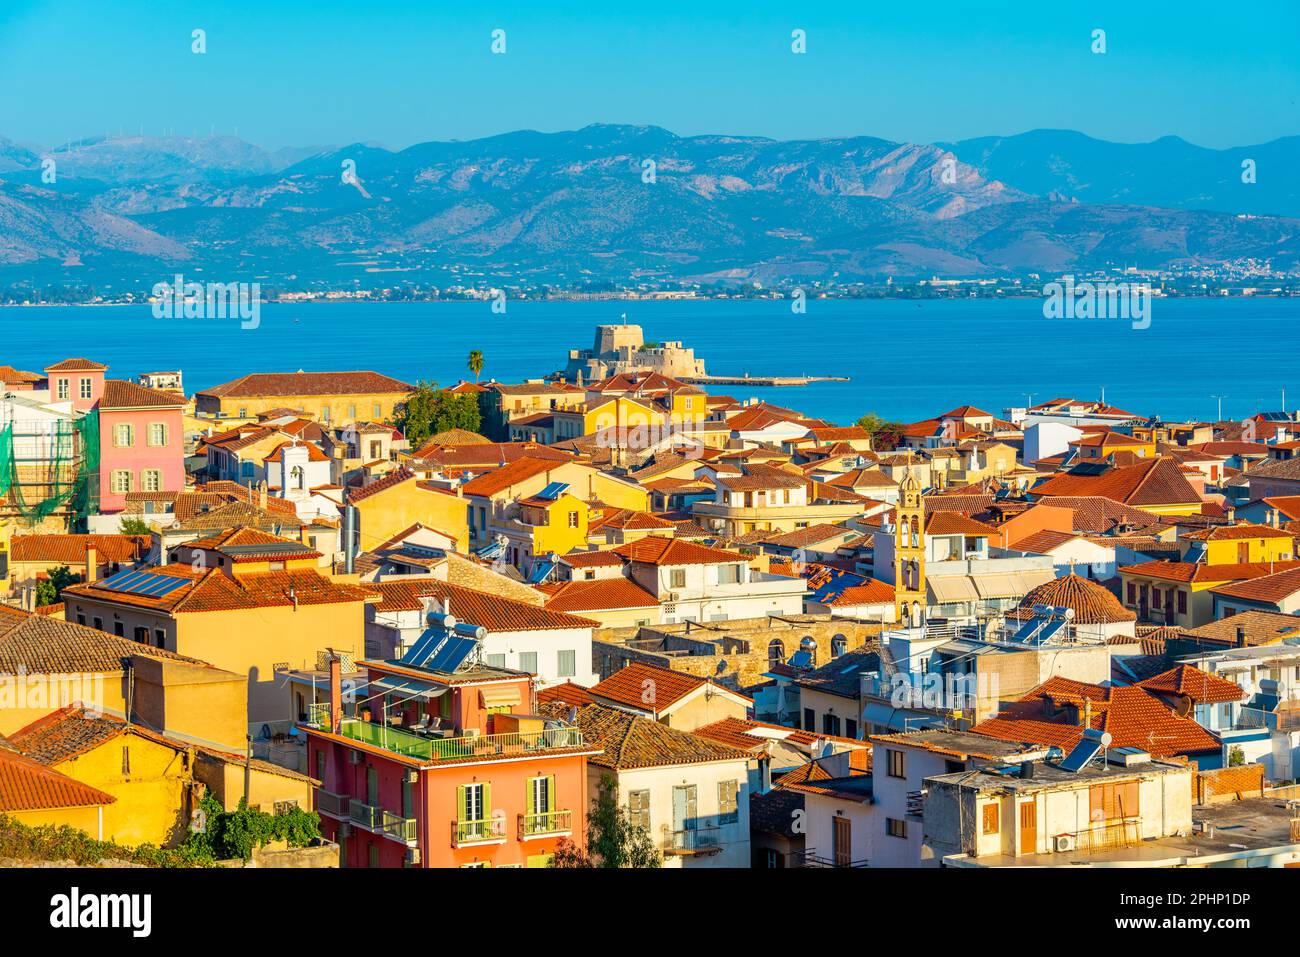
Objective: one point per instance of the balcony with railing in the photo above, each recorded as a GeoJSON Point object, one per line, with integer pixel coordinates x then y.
{"type": "Point", "coordinates": [692, 841]}
{"type": "Point", "coordinates": [810, 858]}
{"type": "Point", "coordinates": [489, 830]}
{"type": "Point", "coordinates": [380, 821]}
{"type": "Point", "coordinates": [545, 824]}
{"type": "Point", "coordinates": [1255, 719]}
{"type": "Point", "coordinates": [432, 747]}
{"type": "Point", "coordinates": [331, 804]}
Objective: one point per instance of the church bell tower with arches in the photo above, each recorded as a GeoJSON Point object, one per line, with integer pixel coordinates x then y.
{"type": "Point", "coordinates": [909, 552]}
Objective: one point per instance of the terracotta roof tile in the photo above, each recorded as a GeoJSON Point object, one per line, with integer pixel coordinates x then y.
{"type": "Point", "coordinates": [1201, 686]}
{"type": "Point", "coordinates": [631, 741]}
{"type": "Point", "coordinates": [28, 785]}
{"type": "Point", "coordinates": [269, 384]}
{"type": "Point", "coordinates": [71, 549]}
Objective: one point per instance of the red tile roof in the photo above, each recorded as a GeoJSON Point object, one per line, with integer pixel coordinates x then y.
{"type": "Point", "coordinates": [494, 612]}
{"type": "Point", "coordinates": [1201, 686]}
{"type": "Point", "coordinates": [1153, 483]}
{"type": "Point", "coordinates": [76, 365]}
{"type": "Point", "coordinates": [603, 594]}
{"type": "Point", "coordinates": [654, 550]}
{"type": "Point", "coordinates": [1133, 716]}
{"type": "Point", "coordinates": [502, 478]}
{"type": "Point", "coordinates": [648, 688]}
{"type": "Point", "coordinates": [268, 384]}
{"type": "Point", "coordinates": [28, 785]}
{"type": "Point", "coordinates": [119, 394]}
{"type": "Point", "coordinates": [71, 549]}
{"type": "Point", "coordinates": [1092, 604]}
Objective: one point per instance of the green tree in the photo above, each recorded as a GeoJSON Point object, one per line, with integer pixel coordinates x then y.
{"type": "Point", "coordinates": [884, 433]}
{"type": "Point", "coordinates": [133, 526]}
{"type": "Point", "coordinates": [475, 362]}
{"type": "Point", "coordinates": [430, 410]}
{"type": "Point", "coordinates": [612, 839]}
{"type": "Point", "coordinates": [57, 579]}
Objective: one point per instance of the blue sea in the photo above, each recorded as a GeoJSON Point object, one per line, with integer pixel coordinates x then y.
{"type": "Point", "coordinates": [906, 360]}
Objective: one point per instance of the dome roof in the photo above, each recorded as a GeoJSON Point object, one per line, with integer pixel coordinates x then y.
{"type": "Point", "coordinates": [1092, 604]}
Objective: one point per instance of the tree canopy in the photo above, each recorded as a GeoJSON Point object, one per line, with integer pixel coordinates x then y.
{"type": "Point", "coordinates": [430, 410]}
{"type": "Point", "coordinates": [612, 839]}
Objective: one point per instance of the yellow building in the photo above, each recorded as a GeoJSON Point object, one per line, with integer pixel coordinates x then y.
{"type": "Point", "coordinates": [399, 500]}
{"type": "Point", "coordinates": [329, 397]}
{"type": "Point", "coordinates": [35, 795]}
{"type": "Point", "coordinates": [490, 498]}
{"type": "Point", "coordinates": [1098, 445]}
{"type": "Point", "coordinates": [1223, 544]}
{"type": "Point", "coordinates": [148, 775]}
{"type": "Point", "coordinates": [551, 523]}
{"type": "Point", "coordinates": [255, 623]}
{"type": "Point", "coordinates": [47, 664]}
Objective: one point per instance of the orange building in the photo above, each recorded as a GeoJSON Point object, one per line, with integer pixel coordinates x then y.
{"type": "Point", "coordinates": [446, 768]}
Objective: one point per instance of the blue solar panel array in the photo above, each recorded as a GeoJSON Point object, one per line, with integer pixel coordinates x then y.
{"type": "Point", "coordinates": [554, 490]}
{"type": "Point", "coordinates": [1084, 752]}
{"type": "Point", "coordinates": [143, 583]}
{"type": "Point", "coordinates": [451, 654]}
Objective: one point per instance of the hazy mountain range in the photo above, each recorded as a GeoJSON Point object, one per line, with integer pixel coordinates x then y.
{"type": "Point", "coordinates": [574, 206]}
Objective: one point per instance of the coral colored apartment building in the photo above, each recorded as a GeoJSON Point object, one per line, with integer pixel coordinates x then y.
{"type": "Point", "coordinates": [446, 769]}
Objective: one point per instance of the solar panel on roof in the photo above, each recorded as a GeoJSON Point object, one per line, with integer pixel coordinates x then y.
{"type": "Point", "coordinates": [423, 647]}
{"type": "Point", "coordinates": [554, 490]}
{"type": "Point", "coordinates": [541, 571]}
{"type": "Point", "coordinates": [143, 583]}
{"type": "Point", "coordinates": [452, 654]}
{"type": "Point", "coordinates": [1085, 751]}
{"type": "Point", "coordinates": [1048, 631]}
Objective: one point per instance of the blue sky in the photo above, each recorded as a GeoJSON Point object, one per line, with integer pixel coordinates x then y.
{"type": "Point", "coordinates": [396, 73]}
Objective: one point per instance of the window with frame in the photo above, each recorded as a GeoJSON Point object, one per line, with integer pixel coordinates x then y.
{"type": "Point", "coordinates": [896, 764]}
{"type": "Point", "coordinates": [61, 389]}
{"type": "Point", "coordinates": [378, 411]}
{"type": "Point", "coordinates": [86, 388]}
{"type": "Point", "coordinates": [573, 520]}
{"type": "Point", "coordinates": [895, 827]}
{"type": "Point", "coordinates": [677, 578]}
{"type": "Point", "coordinates": [991, 819]}
{"type": "Point", "coordinates": [119, 481]}
{"type": "Point", "coordinates": [124, 435]}
{"type": "Point", "coordinates": [151, 480]}
{"type": "Point", "coordinates": [157, 434]}
{"type": "Point", "coordinates": [528, 661]}
{"type": "Point", "coordinates": [728, 802]}
{"type": "Point", "coordinates": [496, 661]}
{"type": "Point", "coordinates": [638, 809]}
{"type": "Point", "coordinates": [567, 663]}
{"type": "Point", "coordinates": [728, 575]}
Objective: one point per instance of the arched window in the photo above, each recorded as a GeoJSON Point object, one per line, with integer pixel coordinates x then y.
{"type": "Point", "coordinates": [839, 645]}
{"type": "Point", "coordinates": [775, 652]}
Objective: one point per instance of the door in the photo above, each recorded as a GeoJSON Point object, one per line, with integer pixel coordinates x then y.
{"type": "Point", "coordinates": [843, 842]}
{"type": "Point", "coordinates": [372, 787]}
{"type": "Point", "coordinates": [684, 816]}
{"type": "Point", "coordinates": [1028, 828]}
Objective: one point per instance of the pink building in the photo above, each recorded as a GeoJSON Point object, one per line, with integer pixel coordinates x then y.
{"type": "Point", "coordinates": [141, 442]}
{"type": "Point", "coordinates": [79, 381]}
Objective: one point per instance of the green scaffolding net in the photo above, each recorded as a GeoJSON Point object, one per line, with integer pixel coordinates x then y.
{"type": "Point", "coordinates": [46, 467]}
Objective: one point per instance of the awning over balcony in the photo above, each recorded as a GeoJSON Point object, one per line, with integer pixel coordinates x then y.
{"type": "Point", "coordinates": [501, 696]}
{"type": "Point", "coordinates": [408, 688]}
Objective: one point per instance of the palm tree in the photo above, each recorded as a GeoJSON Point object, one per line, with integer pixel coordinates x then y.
{"type": "Point", "coordinates": [475, 362]}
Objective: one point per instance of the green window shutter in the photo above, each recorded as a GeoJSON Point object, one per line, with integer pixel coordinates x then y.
{"type": "Point", "coordinates": [487, 801]}
{"type": "Point", "coordinates": [462, 802]}
{"type": "Point", "coordinates": [540, 860]}
{"type": "Point", "coordinates": [550, 792]}
{"type": "Point", "coordinates": [532, 796]}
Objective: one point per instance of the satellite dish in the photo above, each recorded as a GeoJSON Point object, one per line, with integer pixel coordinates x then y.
{"type": "Point", "coordinates": [1184, 707]}
{"type": "Point", "coordinates": [1106, 739]}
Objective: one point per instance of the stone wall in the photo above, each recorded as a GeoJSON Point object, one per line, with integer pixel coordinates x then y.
{"type": "Point", "coordinates": [734, 653]}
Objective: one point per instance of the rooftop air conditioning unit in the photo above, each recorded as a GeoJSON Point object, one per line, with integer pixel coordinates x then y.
{"type": "Point", "coordinates": [1063, 842]}
{"type": "Point", "coordinates": [471, 732]}
{"type": "Point", "coordinates": [412, 776]}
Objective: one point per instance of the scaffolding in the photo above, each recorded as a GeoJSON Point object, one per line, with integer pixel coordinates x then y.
{"type": "Point", "coordinates": [49, 466]}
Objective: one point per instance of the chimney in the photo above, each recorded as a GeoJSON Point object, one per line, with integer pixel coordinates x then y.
{"type": "Point", "coordinates": [1087, 712]}
{"type": "Point", "coordinates": [1241, 636]}
{"type": "Point", "coordinates": [92, 564]}
{"type": "Point", "coordinates": [1232, 515]}
{"type": "Point", "coordinates": [1027, 769]}
{"type": "Point", "coordinates": [1272, 517]}
{"type": "Point", "coordinates": [336, 693]}
{"type": "Point", "coordinates": [261, 495]}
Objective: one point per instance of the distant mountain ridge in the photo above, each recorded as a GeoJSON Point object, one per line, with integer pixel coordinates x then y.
{"type": "Point", "coordinates": [615, 203]}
